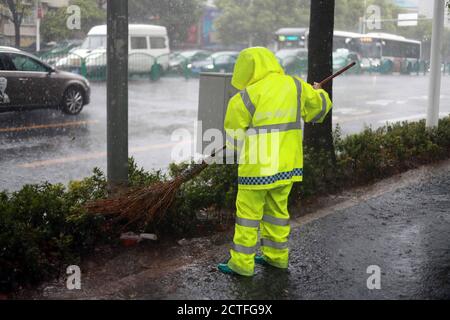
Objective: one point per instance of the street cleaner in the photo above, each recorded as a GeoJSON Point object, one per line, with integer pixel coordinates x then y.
{"type": "Point", "coordinates": [264, 124]}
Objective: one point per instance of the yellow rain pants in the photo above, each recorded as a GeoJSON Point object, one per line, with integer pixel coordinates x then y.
{"type": "Point", "coordinates": [266, 210]}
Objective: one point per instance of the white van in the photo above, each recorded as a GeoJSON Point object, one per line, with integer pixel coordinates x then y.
{"type": "Point", "coordinates": [146, 43]}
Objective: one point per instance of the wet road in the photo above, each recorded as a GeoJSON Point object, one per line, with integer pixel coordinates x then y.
{"type": "Point", "coordinates": [406, 233]}
{"type": "Point", "coordinates": [46, 145]}
{"type": "Point", "coordinates": [401, 225]}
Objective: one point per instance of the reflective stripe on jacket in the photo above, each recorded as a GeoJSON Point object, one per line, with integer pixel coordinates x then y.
{"type": "Point", "coordinates": [265, 120]}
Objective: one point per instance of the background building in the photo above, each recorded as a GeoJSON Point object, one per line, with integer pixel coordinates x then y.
{"type": "Point", "coordinates": [28, 27]}
{"type": "Point", "coordinates": [423, 7]}
{"type": "Point", "coordinates": [203, 34]}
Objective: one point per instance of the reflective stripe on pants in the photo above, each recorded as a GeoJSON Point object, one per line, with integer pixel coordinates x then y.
{"type": "Point", "coordinates": [268, 210]}
{"type": "Point", "coordinates": [275, 228]}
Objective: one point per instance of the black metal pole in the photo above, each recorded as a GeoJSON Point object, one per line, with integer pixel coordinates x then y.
{"type": "Point", "coordinates": [117, 94]}
{"type": "Point", "coordinates": [320, 66]}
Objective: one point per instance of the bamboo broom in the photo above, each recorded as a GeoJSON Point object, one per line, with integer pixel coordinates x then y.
{"type": "Point", "coordinates": [145, 205]}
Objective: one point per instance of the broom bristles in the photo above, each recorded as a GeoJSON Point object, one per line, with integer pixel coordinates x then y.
{"type": "Point", "coordinates": [144, 205]}
{"type": "Point", "coordinates": [139, 206]}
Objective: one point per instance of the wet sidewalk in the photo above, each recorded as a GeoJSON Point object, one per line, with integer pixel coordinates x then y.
{"type": "Point", "coordinates": [405, 232]}
{"type": "Point", "coordinates": [401, 226]}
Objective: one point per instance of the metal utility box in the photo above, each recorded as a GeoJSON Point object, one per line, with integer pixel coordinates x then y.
{"type": "Point", "coordinates": [215, 92]}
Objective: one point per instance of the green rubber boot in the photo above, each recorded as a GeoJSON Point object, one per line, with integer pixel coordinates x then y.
{"type": "Point", "coordinates": [224, 268]}
{"type": "Point", "coordinates": [261, 261]}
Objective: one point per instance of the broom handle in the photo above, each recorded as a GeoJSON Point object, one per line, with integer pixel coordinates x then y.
{"type": "Point", "coordinates": [197, 169]}
{"type": "Point", "coordinates": [337, 74]}
{"type": "Point", "coordinates": [213, 155]}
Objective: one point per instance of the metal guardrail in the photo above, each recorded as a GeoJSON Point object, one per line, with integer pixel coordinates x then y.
{"type": "Point", "coordinates": [94, 65]}
{"type": "Point", "coordinates": [144, 65]}
{"type": "Point", "coordinates": [185, 67]}
{"type": "Point", "coordinates": [182, 69]}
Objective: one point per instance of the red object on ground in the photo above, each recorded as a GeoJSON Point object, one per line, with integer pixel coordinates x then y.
{"type": "Point", "coordinates": [130, 239]}
{"type": "Point", "coordinates": [129, 242]}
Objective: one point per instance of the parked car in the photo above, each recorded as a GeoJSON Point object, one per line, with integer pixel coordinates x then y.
{"type": "Point", "coordinates": [44, 47]}
{"type": "Point", "coordinates": [62, 49]}
{"type": "Point", "coordinates": [147, 44]}
{"type": "Point", "coordinates": [222, 61]}
{"type": "Point", "coordinates": [293, 61]}
{"type": "Point", "coordinates": [343, 57]}
{"type": "Point", "coordinates": [181, 60]}
{"type": "Point", "coordinates": [27, 83]}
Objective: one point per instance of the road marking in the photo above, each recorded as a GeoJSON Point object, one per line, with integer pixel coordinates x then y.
{"type": "Point", "coordinates": [383, 103]}
{"type": "Point", "coordinates": [50, 126]}
{"type": "Point", "coordinates": [351, 111]}
{"type": "Point", "coordinates": [46, 163]}
{"type": "Point", "coordinates": [418, 98]}
{"type": "Point", "coordinates": [91, 156]}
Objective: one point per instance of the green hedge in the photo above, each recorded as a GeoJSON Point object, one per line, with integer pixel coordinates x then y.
{"type": "Point", "coordinates": [43, 227]}
{"type": "Point", "coordinates": [373, 155]}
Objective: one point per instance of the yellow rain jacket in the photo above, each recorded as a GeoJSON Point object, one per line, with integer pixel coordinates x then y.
{"type": "Point", "coordinates": [264, 121]}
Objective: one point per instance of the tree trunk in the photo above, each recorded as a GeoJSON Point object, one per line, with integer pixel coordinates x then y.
{"type": "Point", "coordinates": [16, 19]}
{"type": "Point", "coordinates": [320, 66]}
{"type": "Point", "coordinates": [17, 32]}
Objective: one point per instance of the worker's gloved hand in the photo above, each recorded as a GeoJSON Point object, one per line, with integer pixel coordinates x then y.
{"type": "Point", "coordinates": [317, 86]}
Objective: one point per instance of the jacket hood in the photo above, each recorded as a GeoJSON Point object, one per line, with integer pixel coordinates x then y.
{"type": "Point", "coordinates": [253, 65]}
